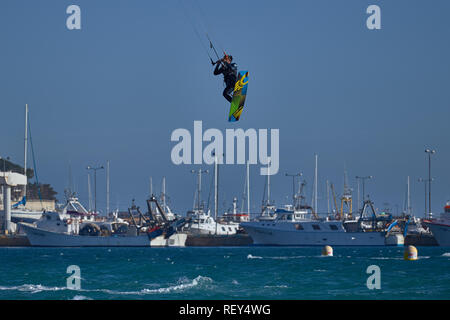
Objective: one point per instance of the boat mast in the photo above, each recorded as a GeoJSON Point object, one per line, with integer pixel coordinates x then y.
{"type": "Point", "coordinates": [164, 192]}
{"type": "Point", "coordinates": [89, 192]}
{"type": "Point", "coordinates": [107, 187]}
{"type": "Point", "coordinates": [408, 209]}
{"type": "Point", "coordinates": [328, 197]}
{"type": "Point", "coordinates": [216, 189]}
{"type": "Point", "coordinates": [199, 184]}
{"type": "Point", "coordinates": [25, 148]}
{"type": "Point", "coordinates": [70, 187]}
{"type": "Point", "coordinates": [268, 182]}
{"type": "Point", "coordinates": [248, 189]}
{"type": "Point", "coordinates": [315, 186]}
{"type": "Point", "coordinates": [151, 187]}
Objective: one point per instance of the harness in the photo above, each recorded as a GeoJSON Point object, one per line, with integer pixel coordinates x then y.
{"type": "Point", "coordinates": [230, 73]}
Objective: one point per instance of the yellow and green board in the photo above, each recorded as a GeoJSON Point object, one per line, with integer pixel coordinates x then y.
{"type": "Point", "coordinates": [239, 94]}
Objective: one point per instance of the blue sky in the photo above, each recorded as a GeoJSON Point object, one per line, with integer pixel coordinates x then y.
{"type": "Point", "coordinates": [370, 101]}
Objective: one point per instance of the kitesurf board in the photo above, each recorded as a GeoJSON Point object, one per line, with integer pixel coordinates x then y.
{"type": "Point", "coordinates": [239, 94]}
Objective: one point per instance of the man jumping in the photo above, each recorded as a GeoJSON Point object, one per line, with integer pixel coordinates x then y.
{"type": "Point", "coordinates": [229, 71]}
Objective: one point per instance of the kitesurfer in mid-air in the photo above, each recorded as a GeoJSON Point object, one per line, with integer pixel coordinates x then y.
{"type": "Point", "coordinates": [229, 70]}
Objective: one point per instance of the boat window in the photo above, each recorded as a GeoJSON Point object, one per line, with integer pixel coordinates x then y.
{"type": "Point", "coordinates": [333, 227]}
{"type": "Point", "coordinates": [229, 228]}
{"type": "Point", "coordinates": [289, 217]}
{"type": "Point", "coordinates": [316, 227]}
{"type": "Point", "coordinates": [223, 228]}
{"type": "Point", "coordinates": [298, 226]}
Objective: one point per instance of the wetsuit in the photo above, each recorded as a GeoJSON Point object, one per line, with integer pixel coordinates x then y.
{"type": "Point", "coordinates": [229, 71]}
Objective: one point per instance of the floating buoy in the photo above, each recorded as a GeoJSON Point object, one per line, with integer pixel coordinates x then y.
{"type": "Point", "coordinates": [410, 253]}
{"type": "Point", "coordinates": [327, 251]}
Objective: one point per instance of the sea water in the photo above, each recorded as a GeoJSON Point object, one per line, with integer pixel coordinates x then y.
{"type": "Point", "coordinates": [223, 273]}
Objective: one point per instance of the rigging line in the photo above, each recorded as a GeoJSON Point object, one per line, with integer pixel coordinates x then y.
{"type": "Point", "coordinates": [264, 193]}
{"type": "Point", "coordinates": [210, 192]}
{"type": "Point", "coordinates": [244, 195]}
{"type": "Point", "coordinates": [195, 197]}
{"type": "Point", "coordinates": [212, 46]}
{"type": "Point", "coordinates": [208, 26]}
{"type": "Point", "coordinates": [34, 162]}
{"type": "Point", "coordinates": [195, 30]}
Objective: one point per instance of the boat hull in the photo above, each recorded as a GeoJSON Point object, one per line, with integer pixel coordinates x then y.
{"type": "Point", "coordinates": [441, 232]}
{"type": "Point", "coordinates": [42, 238]}
{"type": "Point", "coordinates": [266, 236]}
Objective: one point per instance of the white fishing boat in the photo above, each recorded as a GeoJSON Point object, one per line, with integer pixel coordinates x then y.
{"type": "Point", "coordinates": [300, 226]}
{"type": "Point", "coordinates": [291, 229]}
{"type": "Point", "coordinates": [203, 223]}
{"type": "Point", "coordinates": [440, 228]}
{"type": "Point", "coordinates": [74, 227]}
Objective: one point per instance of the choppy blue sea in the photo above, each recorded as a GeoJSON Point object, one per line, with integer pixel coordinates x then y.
{"type": "Point", "coordinates": [223, 273]}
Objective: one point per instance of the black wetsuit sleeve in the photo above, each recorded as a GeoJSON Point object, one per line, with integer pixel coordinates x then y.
{"type": "Point", "coordinates": [218, 70]}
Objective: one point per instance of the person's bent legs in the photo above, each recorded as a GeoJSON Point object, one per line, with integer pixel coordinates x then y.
{"type": "Point", "coordinates": [227, 92]}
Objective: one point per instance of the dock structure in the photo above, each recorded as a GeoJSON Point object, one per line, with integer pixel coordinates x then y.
{"type": "Point", "coordinates": [8, 180]}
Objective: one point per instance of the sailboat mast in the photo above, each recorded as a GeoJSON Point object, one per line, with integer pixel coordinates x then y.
{"type": "Point", "coordinates": [25, 148]}
{"type": "Point", "coordinates": [89, 192]}
{"type": "Point", "coordinates": [216, 190]}
{"type": "Point", "coordinates": [408, 209]}
{"type": "Point", "coordinates": [315, 187]}
{"type": "Point", "coordinates": [199, 188]}
{"type": "Point", "coordinates": [107, 187]}
{"type": "Point", "coordinates": [328, 197]}
{"type": "Point", "coordinates": [248, 188]}
{"type": "Point", "coordinates": [164, 192]}
{"type": "Point", "coordinates": [268, 181]}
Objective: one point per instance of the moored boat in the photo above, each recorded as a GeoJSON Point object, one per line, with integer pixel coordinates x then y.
{"type": "Point", "coordinates": [440, 228]}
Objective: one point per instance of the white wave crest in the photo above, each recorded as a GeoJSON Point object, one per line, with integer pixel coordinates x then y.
{"type": "Point", "coordinates": [185, 284]}
{"type": "Point", "coordinates": [78, 297]}
{"type": "Point", "coordinates": [277, 286]}
{"type": "Point", "coordinates": [33, 288]}
{"type": "Point", "coordinates": [275, 258]}
{"type": "Point", "coordinates": [446, 254]}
